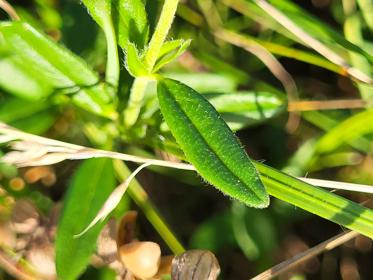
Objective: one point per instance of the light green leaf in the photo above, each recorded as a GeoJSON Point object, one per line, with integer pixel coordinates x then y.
{"type": "Point", "coordinates": [347, 131]}
{"type": "Point", "coordinates": [128, 17]}
{"type": "Point", "coordinates": [19, 80]}
{"type": "Point", "coordinates": [134, 63]}
{"type": "Point", "coordinates": [209, 144]}
{"type": "Point", "coordinates": [317, 201]}
{"type": "Point", "coordinates": [32, 117]}
{"type": "Point", "coordinates": [29, 51]}
{"type": "Point", "coordinates": [170, 51]}
{"type": "Point", "coordinates": [242, 109]}
{"type": "Point", "coordinates": [131, 22]}
{"type": "Point", "coordinates": [90, 187]}
{"type": "Point", "coordinates": [205, 82]}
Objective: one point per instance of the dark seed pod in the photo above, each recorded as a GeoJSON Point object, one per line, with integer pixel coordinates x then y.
{"type": "Point", "coordinates": [195, 265]}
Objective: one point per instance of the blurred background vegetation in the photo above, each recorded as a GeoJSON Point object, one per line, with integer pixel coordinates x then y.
{"type": "Point", "coordinates": [223, 58]}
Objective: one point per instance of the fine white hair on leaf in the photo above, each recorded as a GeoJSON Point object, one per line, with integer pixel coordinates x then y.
{"type": "Point", "coordinates": [114, 199]}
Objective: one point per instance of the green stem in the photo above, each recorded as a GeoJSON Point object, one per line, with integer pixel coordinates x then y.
{"type": "Point", "coordinates": [317, 201]}
{"type": "Point", "coordinates": [140, 197]}
{"type": "Point", "coordinates": [112, 63]}
{"type": "Point", "coordinates": [132, 111]}
{"type": "Point", "coordinates": [160, 33]}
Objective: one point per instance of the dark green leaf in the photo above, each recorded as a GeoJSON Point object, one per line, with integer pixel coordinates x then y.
{"type": "Point", "coordinates": [90, 187]}
{"type": "Point", "coordinates": [209, 144]}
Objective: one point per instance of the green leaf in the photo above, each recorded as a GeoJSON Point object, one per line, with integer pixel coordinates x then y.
{"type": "Point", "coordinates": [21, 81]}
{"type": "Point", "coordinates": [31, 117]}
{"type": "Point", "coordinates": [13, 109]}
{"type": "Point", "coordinates": [100, 10]}
{"type": "Point", "coordinates": [170, 51]}
{"type": "Point", "coordinates": [317, 201]}
{"type": "Point", "coordinates": [29, 51]}
{"type": "Point", "coordinates": [127, 16]}
{"type": "Point", "coordinates": [209, 144]}
{"type": "Point", "coordinates": [134, 63]}
{"type": "Point", "coordinates": [131, 22]}
{"type": "Point", "coordinates": [242, 109]}
{"type": "Point", "coordinates": [205, 82]}
{"type": "Point", "coordinates": [90, 187]}
{"type": "Point", "coordinates": [347, 131]}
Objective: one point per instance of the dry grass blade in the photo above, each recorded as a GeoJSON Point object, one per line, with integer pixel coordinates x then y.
{"type": "Point", "coordinates": [9, 10]}
{"type": "Point", "coordinates": [271, 63]}
{"type": "Point", "coordinates": [75, 152]}
{"type": "Point", "coordinates": [339, 185]}
{"type": "Point", "coordinates": [114, 199]}
{"type": "Point", "coordinates": [310, 253]}
{"type": "Point", "coordinates": [326, 105]}
{"type": "Point", "coordinates": [312, 42]}
{"type": "Point", "coordinates": [13, 268]}
{"type": "Point", "coordinates": [55, 151]}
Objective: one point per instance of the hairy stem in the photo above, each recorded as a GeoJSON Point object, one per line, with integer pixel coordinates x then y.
{"type": "Point", "coordinates": [160, 33]}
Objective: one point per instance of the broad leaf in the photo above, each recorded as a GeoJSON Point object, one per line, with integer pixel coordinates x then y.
{"type": "Point", "coordinates": [209, 144]}
{"type": "Point", "coordinates": [90, 187]}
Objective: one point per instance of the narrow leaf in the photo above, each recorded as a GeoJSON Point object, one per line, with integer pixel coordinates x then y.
{"type": "Point", "coordinates": [90, 187]}
{"type": "Point", "coordinates": [209, 144]}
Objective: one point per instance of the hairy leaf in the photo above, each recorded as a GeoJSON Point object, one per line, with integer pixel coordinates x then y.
{"type": "Point", "coordinates": [209, 144]}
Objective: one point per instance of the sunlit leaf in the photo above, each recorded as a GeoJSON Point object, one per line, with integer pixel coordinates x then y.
{"type": "Point", "coordinates": [91, 185]}
{"type": "Point", "coordinates": [209, 144]}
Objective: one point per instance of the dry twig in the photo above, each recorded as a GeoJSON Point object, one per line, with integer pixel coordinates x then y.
{"type": "Point", "coordinates": [310, 253]}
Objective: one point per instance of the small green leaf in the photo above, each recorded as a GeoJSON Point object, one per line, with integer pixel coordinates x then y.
{"type": "Point", "coordinates": [134, 63]}
{"type": "Point", "coordinates": [170, 51]}
{"type": "Point", "coordinates": [90, 187]}
{"type": "Point", "coordinates": [209, 144]}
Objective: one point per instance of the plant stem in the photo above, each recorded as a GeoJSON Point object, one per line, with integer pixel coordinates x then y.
{"type": "Point", "coordinates": [136, 97]}
{"type": "Point", "coordinates": [112, 63]}
{"type": "Point", "coordinates": [140, 197]}
{"type": "Point", "coordinates": [160, 33]}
